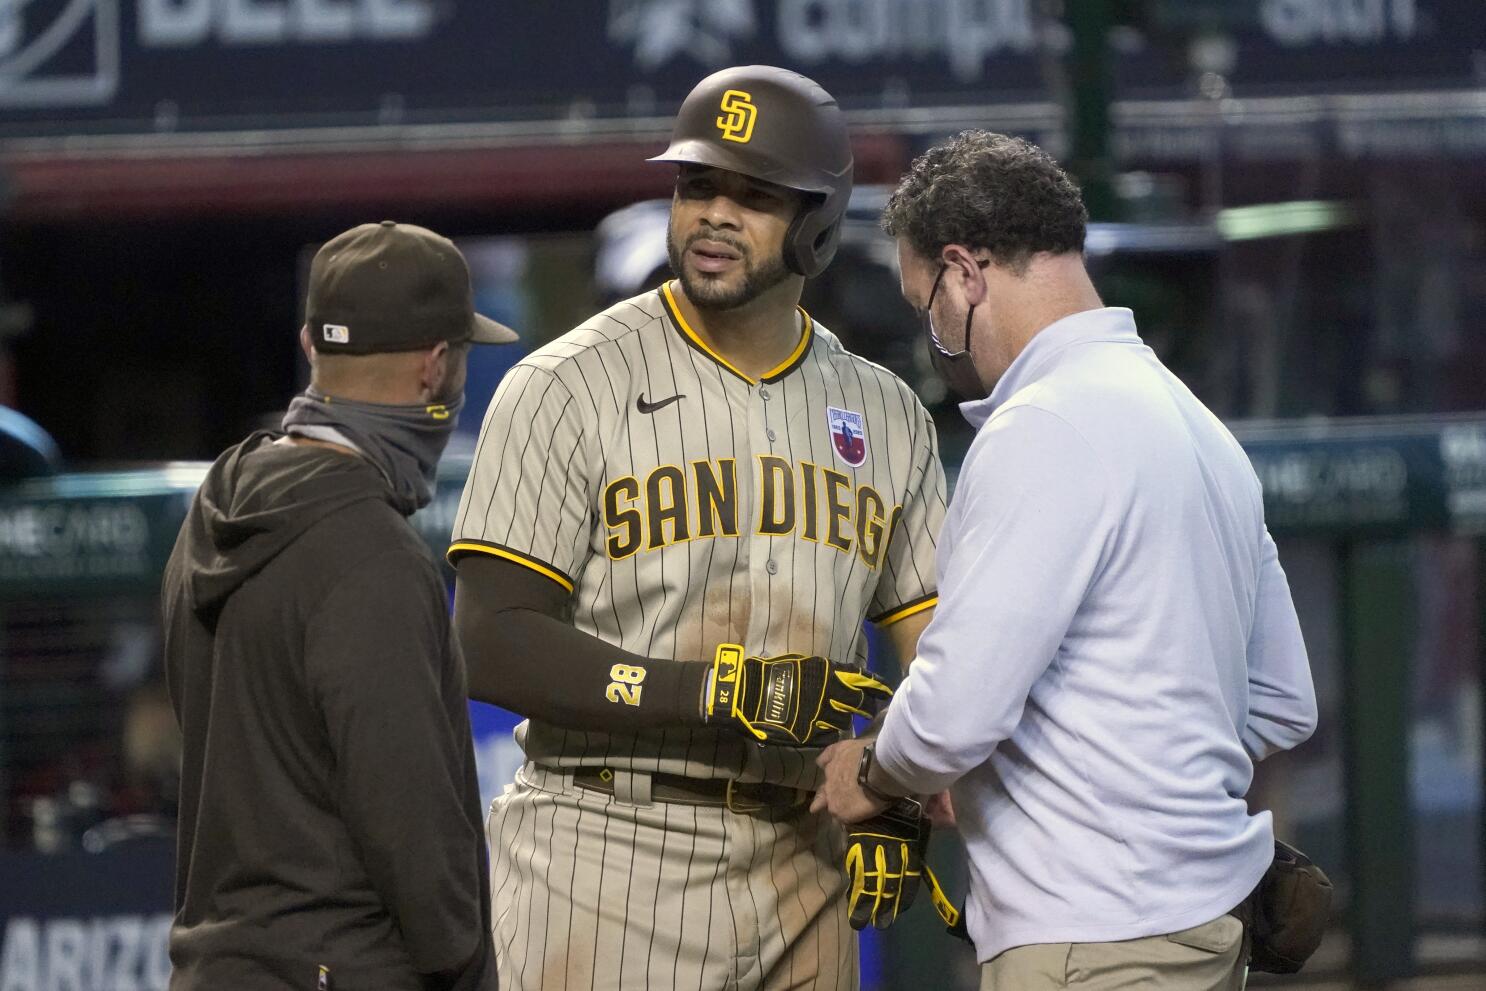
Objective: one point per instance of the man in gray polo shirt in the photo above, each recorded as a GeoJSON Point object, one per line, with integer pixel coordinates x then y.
{"type": "Point", "coordinates": [1115, 642]}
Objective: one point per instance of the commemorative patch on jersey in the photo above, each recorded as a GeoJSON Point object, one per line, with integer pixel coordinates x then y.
{"type": "Point", "coordinates": [848, 435]}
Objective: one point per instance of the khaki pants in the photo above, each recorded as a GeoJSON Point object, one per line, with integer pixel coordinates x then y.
{"type": "Point", "coordinates": [1209, 957]}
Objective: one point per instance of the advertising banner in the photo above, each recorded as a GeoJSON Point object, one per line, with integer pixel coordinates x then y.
{"type": "Point", "coordinates": [87, 921]}
{"type": "Point", "coordinates": [161, 66]}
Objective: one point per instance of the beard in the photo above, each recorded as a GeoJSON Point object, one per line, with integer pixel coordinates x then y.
{"type": "Point", "coordinates": [711, 292]}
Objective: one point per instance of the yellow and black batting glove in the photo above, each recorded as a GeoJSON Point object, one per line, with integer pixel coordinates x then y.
{"type": "Point", "coordinates": [884, 863]}
{"type": "Point", "coordinates": [790, 699]}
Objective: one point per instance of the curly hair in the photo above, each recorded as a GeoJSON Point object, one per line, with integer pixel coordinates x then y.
{"type": "Point", "coordinates": [989, 191]}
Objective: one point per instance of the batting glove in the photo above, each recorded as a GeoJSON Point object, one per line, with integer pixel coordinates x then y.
{"type": "Point", "coordinates": [884, 863]}
{"type": "Point", "coordinates": [790, 699]}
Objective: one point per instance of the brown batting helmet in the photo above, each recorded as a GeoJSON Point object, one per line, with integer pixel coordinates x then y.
{"type": "Point", "coordinates": [778, 126]}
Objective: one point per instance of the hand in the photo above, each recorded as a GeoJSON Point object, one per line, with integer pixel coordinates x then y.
{"type": "Point", "coordinates": [839, 793]}
{"type": "Point", "coordinates": [941, 811]}
{"type": "Point", "coordinates": [884, 861]}
{"type": "Point", "coordinates": [790, 699]}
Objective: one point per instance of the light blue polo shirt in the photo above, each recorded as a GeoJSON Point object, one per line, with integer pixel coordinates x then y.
{"type": "Point", "coordinates": [1114, 645]}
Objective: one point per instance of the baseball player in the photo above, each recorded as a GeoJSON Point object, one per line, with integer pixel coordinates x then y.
{"type": "Point", "coordinates": [679, 515]}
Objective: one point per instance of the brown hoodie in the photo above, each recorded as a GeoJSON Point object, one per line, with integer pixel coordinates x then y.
{"type": "Point", "coordinates": [330, 832]}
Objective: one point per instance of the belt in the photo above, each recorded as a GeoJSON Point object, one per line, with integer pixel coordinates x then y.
{"type": "Point", "coordinates": [735, 796]}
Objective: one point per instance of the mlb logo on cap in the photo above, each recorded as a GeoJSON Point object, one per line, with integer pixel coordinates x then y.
{"type": "Point", "coordinates": [848, 435]}
{"type": "Point", "coordinates": [337, 334]}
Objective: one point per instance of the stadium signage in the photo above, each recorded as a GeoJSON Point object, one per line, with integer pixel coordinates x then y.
{"type": "Point", "coordinates": [179, 23]}
{"type": "Point", "coordinates": [77, 921]}
{"type": "Point", "coordinates": [959, 36]}
{"type": "Point", "coordinates": [1463, 452]}
{"type": "Point", "coordinates": [107, 953]}
{"type": "Point", "coordinates": [1306, 22]}
{"type": "Point", "coordinates": [56, 540]}
{"type": "Point", "coordinates": [61, 530]}
{"type": "Point", "coordinates": [106, 66]}
{"type": "Point", "coordinates": [1362, 478]}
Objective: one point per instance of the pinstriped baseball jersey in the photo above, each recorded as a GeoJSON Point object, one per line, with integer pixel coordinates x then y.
{"type": "Point", "coordinates": [685, 504]}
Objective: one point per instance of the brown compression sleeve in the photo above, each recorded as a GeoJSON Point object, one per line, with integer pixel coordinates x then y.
{"type": "Point", "coordinates": [523, 656]}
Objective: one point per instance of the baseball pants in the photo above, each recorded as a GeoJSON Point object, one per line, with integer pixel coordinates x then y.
{"type": "Point", "coordinates": [599, 891]}
{"type": "Point", "coordinates": [1209, 957]}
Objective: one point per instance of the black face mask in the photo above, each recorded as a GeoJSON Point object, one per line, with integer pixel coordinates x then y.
{"type": "Point", "coordinates": [404, 442]}
{"type": "Point", "coordinates": [955, 368]}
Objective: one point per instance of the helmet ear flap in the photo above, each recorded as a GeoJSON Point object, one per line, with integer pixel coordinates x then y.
{"type": "Point", "coordinates": [809, 246]}
{"type": "Point", "coordinates": [812, 238]}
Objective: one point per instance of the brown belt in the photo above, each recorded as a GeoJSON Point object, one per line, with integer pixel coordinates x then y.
{"type": "Point", "coordinates": [722, 792]}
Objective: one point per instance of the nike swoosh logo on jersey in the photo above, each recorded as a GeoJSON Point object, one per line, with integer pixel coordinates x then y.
{"type": "Point", "coordinates": [644, 407]}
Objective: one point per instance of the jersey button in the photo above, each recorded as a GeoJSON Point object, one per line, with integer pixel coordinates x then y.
{"type": "Point", "coordinates": [772, 567]}
{"type": "Point", "coordinates": [764, 393]}
{"type": "Point", "coordinates": [771, 435]}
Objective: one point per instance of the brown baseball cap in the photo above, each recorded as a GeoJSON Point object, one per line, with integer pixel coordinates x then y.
{"type": "Point", "coordinates": [393, 287]}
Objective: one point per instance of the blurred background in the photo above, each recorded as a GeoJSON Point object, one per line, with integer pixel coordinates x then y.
{"type": "Point", "coordinates": [1291, 194]}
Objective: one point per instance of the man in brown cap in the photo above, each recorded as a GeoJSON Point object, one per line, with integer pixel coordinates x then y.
{"type": "Point", "coordinates": [330, 832]}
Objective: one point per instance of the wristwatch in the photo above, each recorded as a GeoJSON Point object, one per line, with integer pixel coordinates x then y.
{"type": "Point", "coordinates": [864, 770]}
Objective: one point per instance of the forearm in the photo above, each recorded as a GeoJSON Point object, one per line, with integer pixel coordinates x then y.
{"type": "Point", "coordinates": [919, 752]}
{"type": "Point", "coordinates": [880, 780]}
{"type": "Point", "coordinates": [523, 657]}
{"type": "Point", "coordinates": [1281, 717]}
{"type": "Point", "coordinates": [903, 636]}
{"type": "Point", "coordinates": [541, 667]}
{"type": "Point", "coordinates": [1282, 697]}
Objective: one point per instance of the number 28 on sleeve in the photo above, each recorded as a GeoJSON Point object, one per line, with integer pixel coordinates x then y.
{"type": "Point", "coordinates": [626, 685]}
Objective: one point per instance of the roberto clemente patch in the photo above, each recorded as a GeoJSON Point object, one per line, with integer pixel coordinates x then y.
{"type": "Point", "coordinates": [848, 434]}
